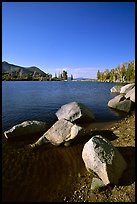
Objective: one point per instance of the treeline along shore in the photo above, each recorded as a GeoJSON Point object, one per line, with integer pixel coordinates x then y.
{"type": "Point", "coordinates": [11, 72]}
{"type": "Point", "coordinates": [124, 73]}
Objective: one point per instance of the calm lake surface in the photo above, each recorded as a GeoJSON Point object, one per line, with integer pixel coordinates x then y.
{"type": "Point", "coordinates": [39, 100]}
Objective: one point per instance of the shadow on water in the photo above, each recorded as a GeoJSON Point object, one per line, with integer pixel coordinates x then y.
{"type": "Point", "coordinates": [24, 141]}
{"type": "Point", "coordinates": [42, 175]}
{"type": "Point", "coordinates": [122, 114]}
{"type": "Point", "coordinates": [47, 173]}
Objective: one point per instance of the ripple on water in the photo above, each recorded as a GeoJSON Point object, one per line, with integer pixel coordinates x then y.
{"type": "Point", "coordinates": [40, 175]}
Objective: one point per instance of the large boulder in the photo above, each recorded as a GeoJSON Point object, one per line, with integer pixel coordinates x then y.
{"type": "Point", "coordinates": [126, 88]}
{"type": "Point", "coordinates": [75, 111]}
{"type": "Point", "coordinates": [116, 89]}
{"type": "Point", "coordinates": [100, 156]}
{"type": "Point", "coordinates": [131, 95]}
{"type": "Point", "coordinates": [26, 128]}
{"type": "Point", "coordinates": [120, 103]}
{"type": "Point", "coordinates": [61, 132]}
{"type": "Point", "coordinates": [112, 103]}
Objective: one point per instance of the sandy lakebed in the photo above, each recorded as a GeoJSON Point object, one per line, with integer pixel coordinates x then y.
{"type": "Point", "coordinates": [58, 174]}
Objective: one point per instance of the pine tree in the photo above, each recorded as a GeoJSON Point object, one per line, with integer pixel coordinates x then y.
{"type": "Point", "coordinates": [71, 77]}
{"type": "Point", "coordinates": [64, 75]}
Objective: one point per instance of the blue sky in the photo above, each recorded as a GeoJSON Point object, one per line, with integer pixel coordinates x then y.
{"type": "Point", "coordinates": [80, 37]}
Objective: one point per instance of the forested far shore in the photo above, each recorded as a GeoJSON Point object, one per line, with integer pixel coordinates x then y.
{"type": "Point", "coordinates": [18, 76]}
{"type": "Point", "coordinates": [122, 73]}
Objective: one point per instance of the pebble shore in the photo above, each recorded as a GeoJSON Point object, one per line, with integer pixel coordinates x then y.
{"type": "Point", "coordinates": [124, 130]}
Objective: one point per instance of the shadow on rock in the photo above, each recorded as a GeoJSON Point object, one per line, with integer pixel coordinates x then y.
{"type": "Point", "coordinates": [128, 176]}
{"type": "Point", "coordinates": [108, 134]}
{"type": "Point", "coordinates": [83, 139]}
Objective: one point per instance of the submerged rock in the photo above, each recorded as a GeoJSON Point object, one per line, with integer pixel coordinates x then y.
{"type": "Point", "coordinates": [100, 156]}
{"type": "Point", "coordinates": [26, 128]}
{"type": "Point", "coordinates": [74, 111]}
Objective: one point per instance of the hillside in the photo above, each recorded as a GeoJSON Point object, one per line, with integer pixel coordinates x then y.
{"type": "Point", "coordinates": [12, 69]}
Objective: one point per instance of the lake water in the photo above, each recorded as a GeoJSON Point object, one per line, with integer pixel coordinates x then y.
{"type": "Point", "coordinates": [39, 100]}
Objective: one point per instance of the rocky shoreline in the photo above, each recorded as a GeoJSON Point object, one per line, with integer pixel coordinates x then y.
{"type": "Point", "coordinates": [62, 171]}
{"type": "Point", "coordinates": [125, 191]}
{"type": "Point", "coordinates": [24, 171]}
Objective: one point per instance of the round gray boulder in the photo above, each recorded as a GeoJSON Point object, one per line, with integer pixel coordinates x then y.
{"type": "Point", "coordinates": [100, 156]}
{"type": "Point", "coordinates": [74, 111]}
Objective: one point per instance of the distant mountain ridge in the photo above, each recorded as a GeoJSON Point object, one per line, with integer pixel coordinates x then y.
{"type": "Point", "coordinates": [82, 78]}
{"type": "Point", "coordinates": [11, 68]}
